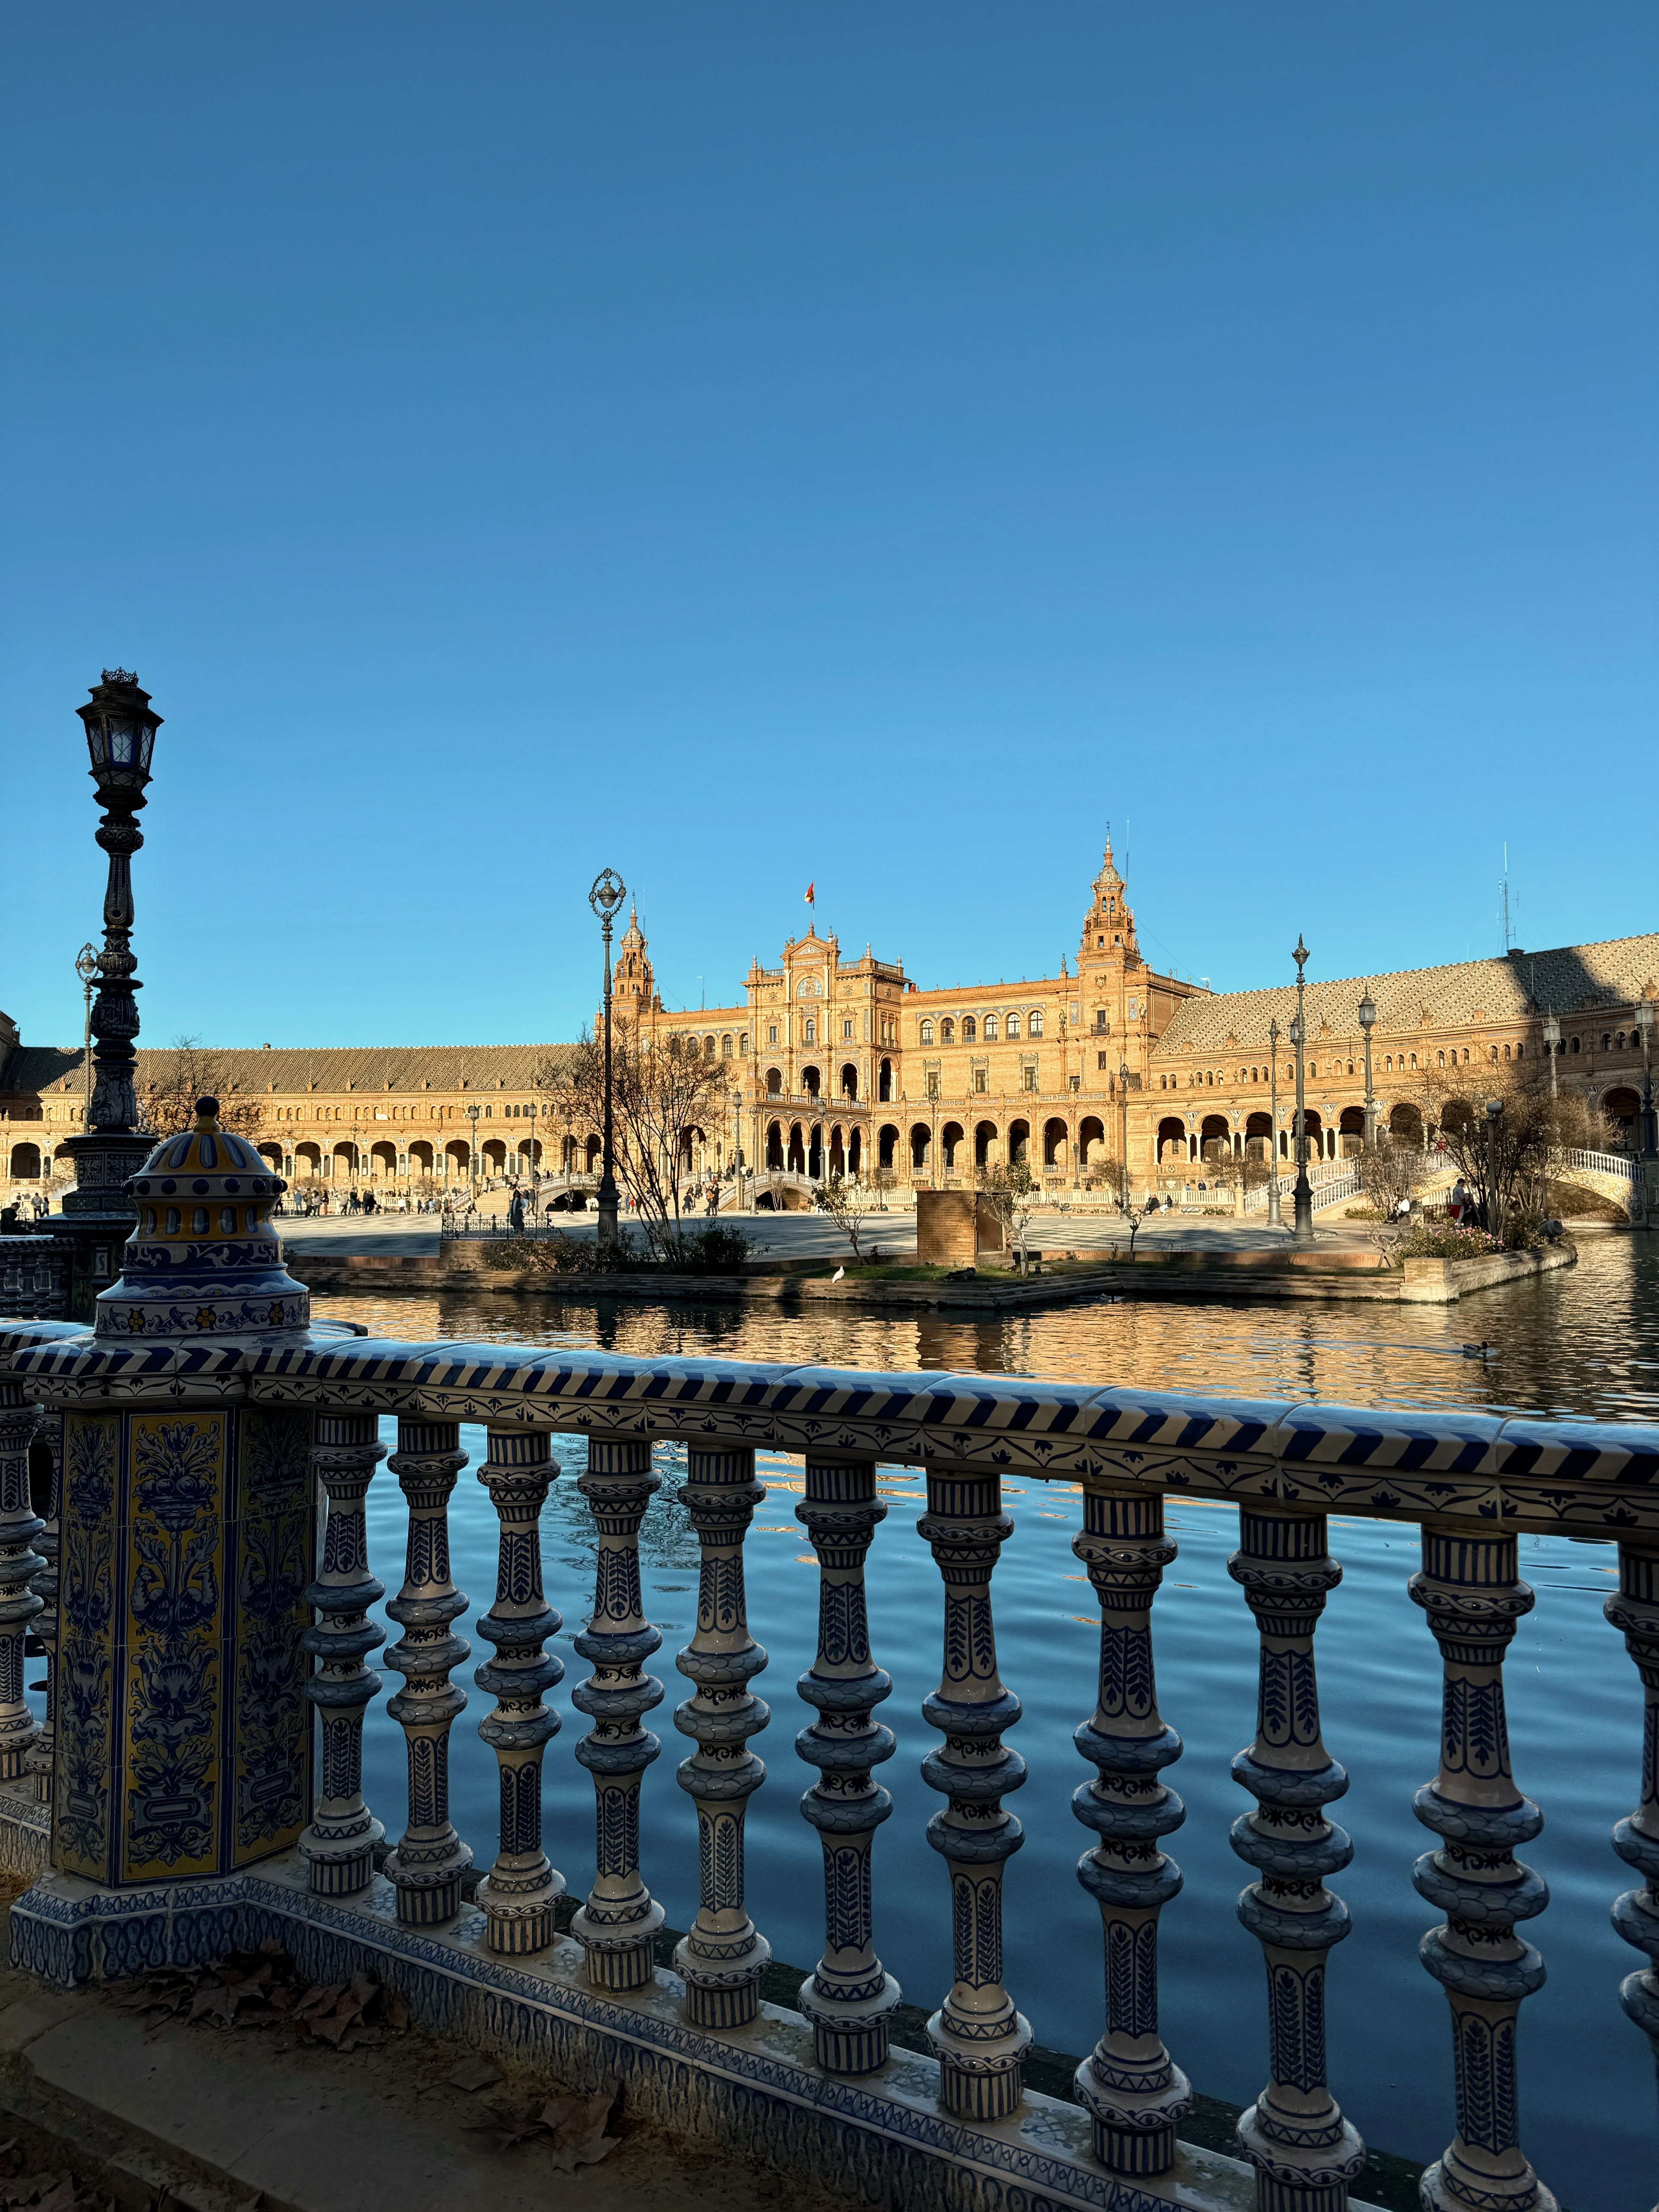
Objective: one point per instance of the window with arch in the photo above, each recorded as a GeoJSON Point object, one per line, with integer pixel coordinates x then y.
{"type": "Point", "coordinates": [812, 1030]}
{"type": "Point", "coordinates": [1573, 1043]}
{"type": "Point", "coordinates": [927, 1033]}
{"type": "Point", "coordinates": [1607, 1041]}
{"type": "Point", "coordinates": [969, 1031]}
{"type": "Point", "coordinates": [726, 1048]}
{"type": "Point", "coordinates": [1012, 1026]}
{"type": "Point", "coordinates": [1413, 1059]}
{"type": "Point", "coordinates": [990, 1029]}
{"type": "Point", "coordinates": [1621, 1040]}
{"type": "Point", "coordinates": [1465, 1055]}
{"type": "Point", "coordinates": [947, 1029]}
{"type": "Point", "coordinates": [1034, 1022]}
{"type": "Point", "coordinates": [1442, 1059]}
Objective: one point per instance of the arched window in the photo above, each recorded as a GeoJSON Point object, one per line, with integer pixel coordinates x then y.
{"type": "Point", "coordinates": [947, 1029]}
{"type": "Point", "coordinates": [811, 1034]}
{"type": "Point", "coordinates": [990, 1029]}
{"type": "Point", "coordinates": [1413, 1059]}
{"type": "Point", "coordinates": [1013, 1025]}
{"type": "Point", "coordinates": [1465, 1055]}
{"type": "Point", "coordinates": [927, 1032]}
{"type": "Point", "coordinates": [1442, 1059]}
{"type": "Point", "coordinates": [1575, 1044]}
{"type": "Point", "coordinates": [970, 1032]}
{"type": "Point", "coordinates": [1034, 1022]}
{"type": "Point", "coordinates": [708, 1047]}
{"type": "Point", "coordinates": [1493, 1050]}
{"type": "Point", "coordinates": [726, 1048]}
{"type": "Point", "coordinates": [1506, 1051]}
{"type": "Point", "coordinates": [1607, 1041]}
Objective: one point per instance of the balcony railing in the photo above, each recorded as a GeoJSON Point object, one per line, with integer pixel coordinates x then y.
{"type": "Point", "coordinates": [823, 2090]}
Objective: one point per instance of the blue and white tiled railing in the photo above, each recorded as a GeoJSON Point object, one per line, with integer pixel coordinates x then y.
{"type": "Point", "coordinates": [1474, 1484]}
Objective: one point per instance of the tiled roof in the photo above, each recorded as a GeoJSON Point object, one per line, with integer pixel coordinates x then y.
{"type": "Point", "coordinates": [1574, 979]}
{"type": "Point", "coordinates": [397, 1068]}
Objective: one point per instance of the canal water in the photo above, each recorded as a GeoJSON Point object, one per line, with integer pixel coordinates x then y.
{"type": "Point", "coordinates": [1583, 1342]}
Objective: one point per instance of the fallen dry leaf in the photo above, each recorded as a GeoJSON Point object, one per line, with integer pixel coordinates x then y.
{"type": "Point", "coordinates": [472, 2074]}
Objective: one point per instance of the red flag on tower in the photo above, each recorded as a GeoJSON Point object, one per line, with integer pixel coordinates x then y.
{"type": "Point", "coordinates": [811, 901]}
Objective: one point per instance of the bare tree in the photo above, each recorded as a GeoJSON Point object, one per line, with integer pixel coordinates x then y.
{"type": "Point", "coordinates": [1389, 1171]}
{"type": "Point", "coordinates": [844, 1204]}
{"type": "Point", "coordinates": [1011, 1191]}
{"type": "Point", "coordinates": [175, 1079]}
{"type": "Point", "coordinates": [663, 1088]}
{"type": "Point", "coordinates": [1506, 1157]}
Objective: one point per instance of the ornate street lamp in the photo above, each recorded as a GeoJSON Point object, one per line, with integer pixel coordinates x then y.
{"type": "Point", "coordinates": [1302, 1195]}
{"type": "Point", "coordinates": [1649, 1145]}
{"type": "Point", "coordinates": [1123, 1134]}
{"type": "Point", "coordinates": [1368, 1022]}
{"type": "Point", "coordinates": [1552, 1045]}
{"type": "Point", "coordinates": [607, 894]}
{"type": "Point", "coordinates": [474, 1113]}
{"type": "Point", "coordinates": [121, 732]}
{"type": "Point", "coordinates": [1274, 1033]}
{"type": "Point", "coordinates": [86, 966]}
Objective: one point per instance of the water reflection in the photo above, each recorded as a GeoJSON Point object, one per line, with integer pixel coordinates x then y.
{"type": "Point", "coordinates": [1582, 1341]}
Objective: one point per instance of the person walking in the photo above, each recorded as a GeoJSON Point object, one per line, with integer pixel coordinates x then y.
{"type": "Point", "coordinates": [1458, 1203]}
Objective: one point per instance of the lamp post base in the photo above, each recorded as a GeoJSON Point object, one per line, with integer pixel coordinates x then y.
{"type": "Point", "coordinates": [1303, 1217]}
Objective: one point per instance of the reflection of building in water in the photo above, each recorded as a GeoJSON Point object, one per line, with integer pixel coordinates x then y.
{"type": "Point", "coordinates": [845, 1065]}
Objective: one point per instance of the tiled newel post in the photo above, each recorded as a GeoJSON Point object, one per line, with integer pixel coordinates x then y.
{"type": "Point", "coordinates": [1470, 1588]}
{"type": "Point", "coordinates": [518, 1894]}
{"type": "Point", "coordinates": [1133, 2093]}
{"type": "Point", "coordinates": [427, 1867]}
{"type": "Point", "coordinates": [850, 2000]}
{"type": "Point", "coordinates": [979, 2039]}
{"type": "Point", "coordinates": [20, 1564]}
{"type": "Point", "coordinates": [49, 1439]}
{"type": "Point", "coordinates": [182, 1736]}
{"type": "Point", "coordinates": [340, 1842]}
{"type": "Point", "coordinates": [1304, 2153]}
{"type": "Point", "coordinates": [722, 1958]}
{"type": "Point", "coordinates": [618, 1924]}
{"type": "Point", "coordinates": [1636, 1915]}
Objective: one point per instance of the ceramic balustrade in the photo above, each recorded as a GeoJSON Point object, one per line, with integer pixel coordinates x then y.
{"type": "Point", "coordinates": [1282, 1467]}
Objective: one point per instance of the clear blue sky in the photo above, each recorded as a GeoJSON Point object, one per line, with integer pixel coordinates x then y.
{"type": "Point", "coordinates": [876, 444]}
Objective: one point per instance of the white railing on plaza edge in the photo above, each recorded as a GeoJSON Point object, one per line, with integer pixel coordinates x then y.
{"type": "Point", "coordinates": [1473, 1484]}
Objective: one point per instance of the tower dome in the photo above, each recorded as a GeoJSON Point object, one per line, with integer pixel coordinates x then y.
{"type": "Point", "coordinates": [204, 1259]}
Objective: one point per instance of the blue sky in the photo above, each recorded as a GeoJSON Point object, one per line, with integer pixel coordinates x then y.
{"type": "Point", "coordinates": [872, 444]}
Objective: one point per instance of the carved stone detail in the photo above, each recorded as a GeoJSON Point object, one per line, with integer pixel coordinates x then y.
{"type": "Point", "coordinates": [430, 1859]}
{"type": "Point", "coordinates": [340, 1842]}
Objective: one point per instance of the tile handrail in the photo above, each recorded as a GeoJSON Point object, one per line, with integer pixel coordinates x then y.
{"type": "Point", "coordinates": [1473, 1482]}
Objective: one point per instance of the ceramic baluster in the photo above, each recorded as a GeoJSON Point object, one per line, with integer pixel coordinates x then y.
{"type": "Point", "coordinates": [1470, 1589]}
{"type": "Point", "coordinates": [1636, 1915]}
{"type": "Point", "coordinates": [430, 1859]}
{"type": "Point", "coordinates": [618, 1924]}
{"type": "Point", "coordinates": [339, 1844]}
{"type": "Point", "coordinates": [1132, 2092]}
{"type": "Point", "coordinates": [850, 2000]}
{"type": "Point", "coordinates": [518, 1894]}
{"type": "Point", "coordinates": [20, 1564]}
{"type": "Point", "coordinates": [978, 2038]}
{"type": "Point", "coordinates": [1304, 2153]}
{"type": "Point", "coordinates": [48, 1436]}
{"type": "Point", "coordinates": [722, 1959]}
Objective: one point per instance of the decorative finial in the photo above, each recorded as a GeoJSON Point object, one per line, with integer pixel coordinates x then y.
{"type": "Point", "coordinates": [207, 1113]}
{"type": "Point", "coordinates": [1301, 956]}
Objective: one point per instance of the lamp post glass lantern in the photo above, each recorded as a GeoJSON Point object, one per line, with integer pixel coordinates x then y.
{"type": "Point", "coordinates": [1302, 1195]}
{"type": "Point", "coordinates": [607, 895]}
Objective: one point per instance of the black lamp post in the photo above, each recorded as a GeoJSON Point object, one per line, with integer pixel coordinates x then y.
{"type": "Point", "coordinates": [1368, 1023]}
{"type": "Point", "coordinates": [1648, 1166]}
{"type": "Point", "coordinates": [1274, 1033]}
{"type": "Point", "coordinates": [607, 894]}
{"type": "Point", "coordinates": [1494, 1196]}
{"type": "Point", "coordinates": [1302, 1195]}
{"type": "Point", "coordinates": [1123, 1133]}
{"type": "Point", "coordinates": [120, 730]}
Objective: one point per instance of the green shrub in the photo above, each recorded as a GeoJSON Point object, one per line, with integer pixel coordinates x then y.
{"type": "Point", "coordinates": [1444, 1241]}
{"type": "Point", "coordinates": [720, 1250]}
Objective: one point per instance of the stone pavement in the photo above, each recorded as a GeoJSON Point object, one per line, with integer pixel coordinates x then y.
{"type": "Point", "coordinates": [810, 1235]}
{"type": "Point", "coordinates": [219, 2119]}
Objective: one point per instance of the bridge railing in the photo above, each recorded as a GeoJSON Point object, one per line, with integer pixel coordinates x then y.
{"type": "Point", "coordinates": [1472, 1483]}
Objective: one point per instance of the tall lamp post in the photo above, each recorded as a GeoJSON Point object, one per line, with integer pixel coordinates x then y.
{"type": "Point", "coordinates": [607, 894]}
{"type": "Point", "coordinates": [1274, 1033]}
{"type": "Point", "coordinates": [1368, 1023]}
{"type": "Point", "coordinates": [86, 966]}
{"type": "Point", "coordinates": [1552, 1045]}
{"type": "Point", "coordinates": [1494, 1196]}
{"type": "Point", "coordinates": [1302, 1195]}
{"type": "Point", "coordinates": [1123, 1133]}
{"type": "Point", "coordinates": [121, 732]}
{"type": "Point", "coordinates": [473, 1114]}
